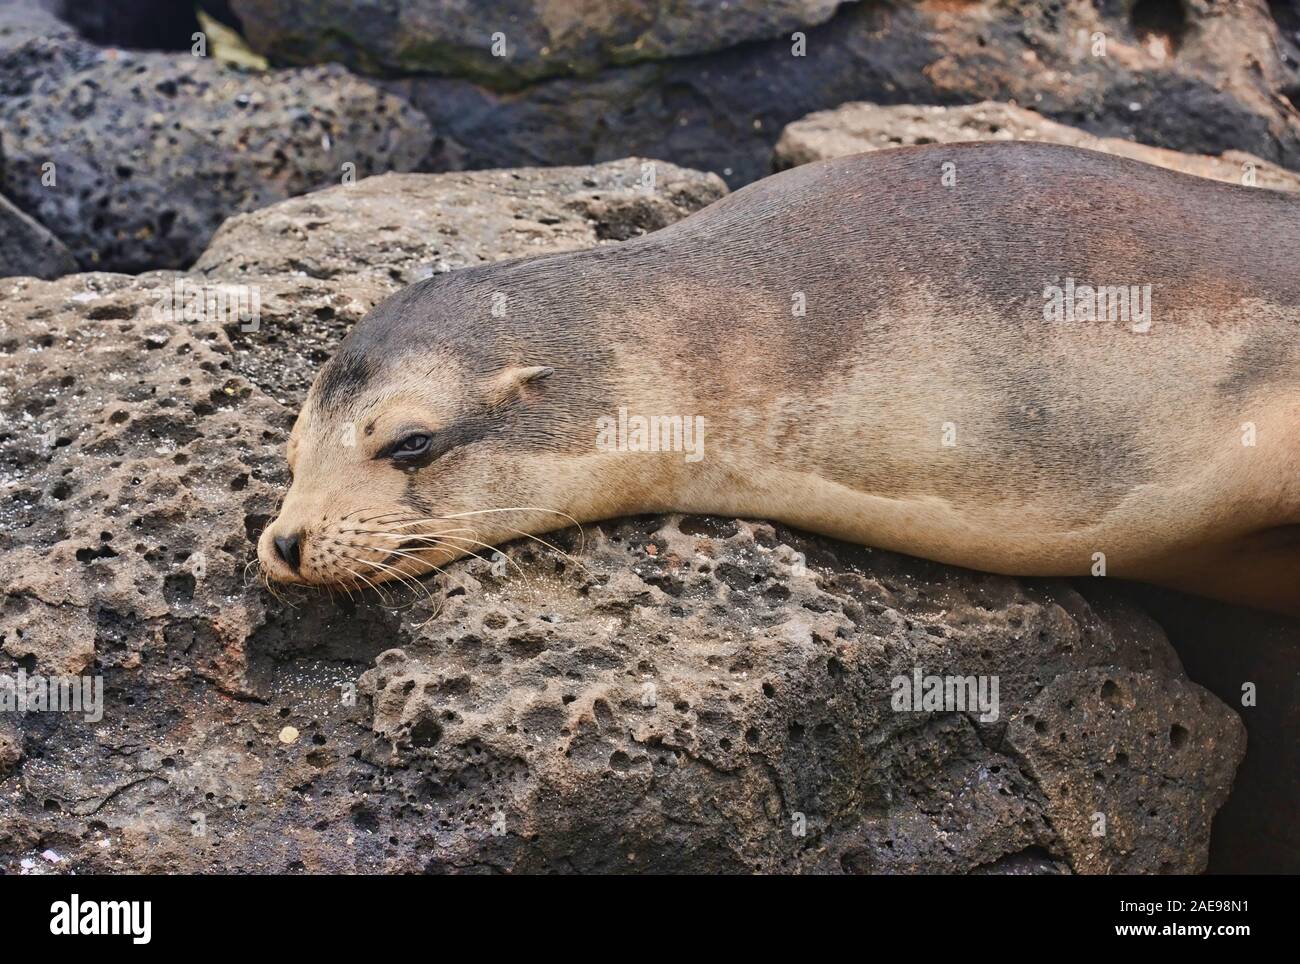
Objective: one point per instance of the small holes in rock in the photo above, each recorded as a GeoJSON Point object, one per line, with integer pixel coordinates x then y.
{"type": "Point", "coordinates": [1110, 691]}
{"type": "Point", "coordinates": [90, 555]}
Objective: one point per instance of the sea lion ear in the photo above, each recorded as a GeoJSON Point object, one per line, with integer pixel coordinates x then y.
{"type": "Point", "coordinates": [510, 381]}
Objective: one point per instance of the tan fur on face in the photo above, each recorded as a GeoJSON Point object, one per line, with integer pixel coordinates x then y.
{"type": "Point", "coordinates": [341, 501]}
{"type": "Point", "coordinates": [352, 510]}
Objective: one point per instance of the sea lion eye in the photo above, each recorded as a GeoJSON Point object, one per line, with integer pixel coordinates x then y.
{"type": "Point", "coordinates": [413, 446]}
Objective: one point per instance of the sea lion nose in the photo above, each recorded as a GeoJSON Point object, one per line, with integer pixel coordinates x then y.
{"type": "Point", "coordinates": [287, 547]}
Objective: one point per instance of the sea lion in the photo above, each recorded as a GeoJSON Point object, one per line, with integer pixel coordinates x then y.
{"type": "Point", "coordinates": [1016, 357]}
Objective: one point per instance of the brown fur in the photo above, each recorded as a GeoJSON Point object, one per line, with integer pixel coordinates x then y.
{"type": "Point", "coordinates": [924, 306]}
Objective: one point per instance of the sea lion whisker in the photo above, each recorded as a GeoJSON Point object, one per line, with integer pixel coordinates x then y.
{"type": "Point", "coordinates": [438, 543]}
{"type": "Point", "coordinates": [366, 508]}
{"type": "Point", "coordinates": [424, 562]}
{"type": "Point", "coordinates": [275, 592]}
{"type": "Point", "coordinates": [383, 595]}
{"type": "Point", "coordinates": [469, 552]}
{"type": "Point", "coordinates": [348, 591]}
{"type": "Point", "coordinates": [582, 535]}
{"type": "Point", "coordinates": [406, 579]}
{"type": "Point", "coordinates": [368, 532]}
{"type": "Point", "coordinates": [527, 535]}
{"type": "Point", "coordinates": [553, 548]}
{"type": "Point", "coordinates": [401, 517]}
{"type": "Point", "coordinates": [406, 537]}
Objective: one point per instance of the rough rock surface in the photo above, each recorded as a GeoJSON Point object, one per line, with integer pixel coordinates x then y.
{"type": "Point", "coordinates": [27, 248]}
{"type": "Point", "coordinates": [149, 152]}
{"type": "Point", "coordinates": [541, 37]}
{"type": "Point", "coordinates": [34, 42]}
{"type": "Point", "coordinates": [707, 695]}
{"type": "Point", "coordinates": [659, 694]}
{"type": "Point", "coordinates": [855, 128]}
{"type": "Point", "coordinates": [405, 227]}
{"type": "Point", "coordinates": [1214, 78]}
{"type": "Point", "coordinates": [1251, 661]}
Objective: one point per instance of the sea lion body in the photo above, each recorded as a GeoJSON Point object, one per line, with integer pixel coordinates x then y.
{"type": "Point", "coordinates": [895, 349]}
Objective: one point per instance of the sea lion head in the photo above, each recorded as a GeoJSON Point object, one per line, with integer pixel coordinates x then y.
{"type": "Point", "coordinates": [411, 452]}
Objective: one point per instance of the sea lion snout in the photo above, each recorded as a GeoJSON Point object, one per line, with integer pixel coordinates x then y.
{"type": "Point", "coordinates": [282, 548]}
{"type": "Point", "coordinates": [310, 535]}
{"type": "Point", "coordinates": [286, 547]}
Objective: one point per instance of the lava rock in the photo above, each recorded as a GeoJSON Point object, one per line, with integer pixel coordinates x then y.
{"type": "Point", "coordinates": [856, 128]}
{"type": "Point", "coordinates": [11, 749]}
{"type": "Point", "coordinates": [523, 41]}
{"type": "Point", "coordinates": [726, 703]}
{"type": "Point", "coordinates": [134, 159]}
{"type": "Point", "coordinates": [406, 227]}
{"type": "Point", "coordinates": [35, 44]}
{"type": "Point", "coordinates": [1251, 661]}
{"type": "Point", "coordinates": [27, 248]}
{"type": "Point", "coordinates": [1211, 79]}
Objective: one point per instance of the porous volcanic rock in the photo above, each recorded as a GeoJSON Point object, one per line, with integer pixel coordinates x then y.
{"type": "Point", "coordinates": [855, 128]}
{"type": "Point", "coordinates": [27, 248]}
{"type": "Point", "coordinates": [405, 227]}
{"type": "Point", "coordinates": [34, 44]}
{"type": "Point", "coordinates": [537, 38]}
{"type": "Point", "coordinates": [653, 694]}
{"type": "Point", "coordinates": [1251, 661]}
{"type": "Point", "coordinates": [1208, 78]}
{"type": "Point", "coordinates": [133, 460]}
{"type": "Point", "coordinates": [134, 159]}
{"type": "Point", "coordinates": [706, 695]}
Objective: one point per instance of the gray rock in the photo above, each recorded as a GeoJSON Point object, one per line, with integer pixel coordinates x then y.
{"type": "Point", "coordinates": [1251, 661]}
{"type": "Point", "coordinates": [151, 152]}
{"type": "Point", "coordinates": [856, 128]}
{"type": "Point", "coordinates": [26, 248]}
{"type": "Point", "coordinates": [715, 696]}
{"type": "Point", "coordinates": [540, 38]}
{"type": "Point", "coordinates": [1212, 84]}
{"type": "Point", "coordinates": [34, 44]}
{"type": "Point", "coordinates": [11, 749]}
{"type": "Point", "coordinates": [404, 227]}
